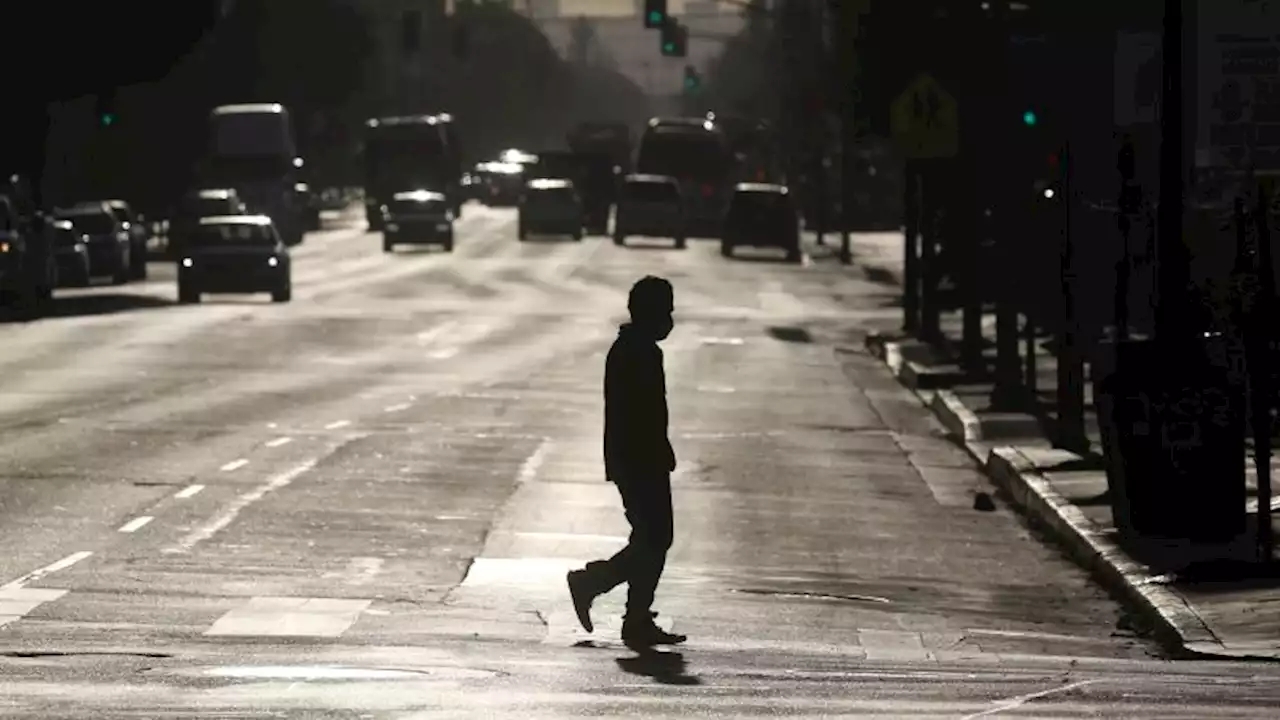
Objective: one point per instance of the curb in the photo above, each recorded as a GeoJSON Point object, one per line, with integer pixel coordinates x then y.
{"type": "Point", "coordinates": [1176, 623]}
{"type": "Point", "coordinates": [1177, 626]}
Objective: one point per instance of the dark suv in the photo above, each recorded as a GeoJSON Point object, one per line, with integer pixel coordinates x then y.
{"type": "Point", "coordinates": [28, 272]}
{"type": "Point", "coordinates": [761, 215]}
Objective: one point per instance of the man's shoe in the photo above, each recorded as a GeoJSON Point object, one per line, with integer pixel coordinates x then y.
{"type": "Point", "coordinates": [582, 597]}
{"type": "Point", "coordinates": [642, 634]}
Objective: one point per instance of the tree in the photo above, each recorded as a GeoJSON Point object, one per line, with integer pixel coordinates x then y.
{"type": "Point", "coordinates": [743, 79]}
{"type": "Point", "coordinates": [511, 88]}
{"type": "Point", "coordinates": [605, 95]}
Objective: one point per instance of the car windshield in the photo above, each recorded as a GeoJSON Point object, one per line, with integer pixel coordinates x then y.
{"type": "Point", "coordinates": [756, 206]}
{"type": "Point", "coordinates": [209, 207]}
{"type": "Point", "coordinates": [92, 223]}
{"type": "Point", "coordinates": [221, 235]}
{"type": "Point", "coordinates": [652, 192]}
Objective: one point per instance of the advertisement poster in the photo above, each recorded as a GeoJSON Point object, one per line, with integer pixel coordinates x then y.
{"type": "Point", "coordinates": [1238, 85]}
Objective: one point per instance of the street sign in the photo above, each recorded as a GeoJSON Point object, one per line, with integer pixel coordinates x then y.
{"type": "Point", "coordinates": [924, 120]}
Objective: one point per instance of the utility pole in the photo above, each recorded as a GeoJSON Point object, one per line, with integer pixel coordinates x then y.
{"type": "Point", "coordinates": [1172, 258]}
{"type": "Point", "coordinates": [848, 22]}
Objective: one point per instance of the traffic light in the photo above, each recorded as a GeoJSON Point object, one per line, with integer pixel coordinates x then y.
{"type": "Point", "coordinates": [655, 13]}
{"type": "Point", "coordinates": [692, 79]}
{"type": "Point", "coordinates": [1030, 118]}
{"type": "Point", "coordinates": [675, 38]}
{"type": "Point", "coordinates": [105, 107]}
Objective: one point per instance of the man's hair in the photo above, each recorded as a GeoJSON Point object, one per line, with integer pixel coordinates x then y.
{"type": "Point", "coordinates": [650, 294]}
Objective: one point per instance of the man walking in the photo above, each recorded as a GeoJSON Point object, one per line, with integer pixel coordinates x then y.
{"type": "Point", "coordinates": [639, 460]}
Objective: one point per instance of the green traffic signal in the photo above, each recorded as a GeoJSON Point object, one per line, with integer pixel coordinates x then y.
{"type": "Point", "coordinates": [655, 18]}
{"type": "Point", "coordinates": [108, 119]}
{"type": "Point", "coordinates": [1029, 118]}
{"type": "Point", "coordinates": [669, 48]}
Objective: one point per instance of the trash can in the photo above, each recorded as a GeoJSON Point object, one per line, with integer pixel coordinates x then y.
{"type": "Point", "coordinates": [1172, 424]}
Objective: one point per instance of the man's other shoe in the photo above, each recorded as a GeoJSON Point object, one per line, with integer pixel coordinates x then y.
{"type": "Point", "coordinates": [582, 596]}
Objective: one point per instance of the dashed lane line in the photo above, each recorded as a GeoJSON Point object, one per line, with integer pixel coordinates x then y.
{"type": "Point", "coordinates": [34, 575]}
{"type": "Point", "coordinates": [337, 424]}
{"type": "Point", "coordinates": [285, 440]}
{"type": "Point", "coordinates": [396, 408]}
{"type": "Point", "coordinates": [228, 515]}
{"type": "Point", "coordinates": [234, 465]}
{"type": "Point", "coordinates": [136, 524]}
{"type": "Point", "coordinates": [188, 491]}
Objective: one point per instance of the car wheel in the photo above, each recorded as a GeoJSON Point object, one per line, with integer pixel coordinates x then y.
{"type": "Point", "coordinates": [619, 239]}
{"type": "Point", "coordinates": [448, 243]}
{"type": "Point", "coordinates": [793, 254]}
{"type": "Point", "coordinates": [522, 234]}
{"type": "Point", "coordinates": [726, 249]}
{"type": "Point", "coordinates": [138, 261]}
{"type": "Point", "coordinates": [387, 244]}
{"type": "Point", "coordinates": [83, 275]}
{"type": "Point", "coordinates": [124, 269]}
{"type": "Point", "coordinates": [283, 294]}
{"type": "Point", "coordinates": [681, 243]}
{"type": "Point", "coordinates": [188, 295]}
{"type": "Point", "coordinates": [577, 236]}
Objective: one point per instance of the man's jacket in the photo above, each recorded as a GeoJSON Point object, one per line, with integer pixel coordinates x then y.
{"type": "Point", "coordinates": [635, 408]}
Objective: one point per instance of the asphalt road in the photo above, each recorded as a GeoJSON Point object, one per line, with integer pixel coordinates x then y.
{"type": "Point", "coordinates": [362, 504]}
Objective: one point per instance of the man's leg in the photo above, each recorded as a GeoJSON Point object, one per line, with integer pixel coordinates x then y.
{"type": "Point", "coordinates": [601, 576]}
{"type": "Point", "coordinates": [654, 525]}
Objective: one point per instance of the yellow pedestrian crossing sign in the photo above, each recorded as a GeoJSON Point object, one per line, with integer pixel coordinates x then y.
{"type": "Point", "coordinates": [924, 120]}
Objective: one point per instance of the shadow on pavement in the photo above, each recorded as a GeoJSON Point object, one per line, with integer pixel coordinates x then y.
{"type": "Point", "coordinates": [664, 666]}
{"type": "Point", "coordinates": [772, 259]}
{"type": "Point", "coordinates": [87, 305]}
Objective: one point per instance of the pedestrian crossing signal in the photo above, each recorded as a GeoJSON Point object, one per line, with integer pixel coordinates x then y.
{"type": "Point", "coordinates": [675, 39]}
{"type": "Point", "coordinates": [655, 13]}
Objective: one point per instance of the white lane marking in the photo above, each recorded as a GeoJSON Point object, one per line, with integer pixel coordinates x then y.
{"type": "Point", "coordinates": [240, 503]}
{"type": "Point", "coordinates": [290, 616]}
{"type": "Point", "coordinates": [452, 517]}
{"type": "Point", "coordinates": [34, 575]}
{"type": "Point", "coordinates": [280, 441]}
{"type": "Point", "coordinates": [529, 468]}
{"type": "Point", "coordinates": [234, 465]}
{"type": "Point", "coordinates": [572, 536]}
{"type": "Point", "coordinates": [396, 408]}
{"type": "Point", "coordinates": [188, 491]}
{"type": "Point", "coordinates": [1020, 700]}
{"type": "Point", "coordinates": [136, 524]}
{"type": "Point", "coordinates": [444, 354]}
{"type": "Point", "coordinates": [16, 603]}
{"type": "Point", "coordinates": [337, 424]}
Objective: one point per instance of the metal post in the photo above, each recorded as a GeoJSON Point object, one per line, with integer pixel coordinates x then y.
{"type": "Point", "coordinates": [911, 248]}
{"type": "Point", "coordinates": [1006, 394]}
{"type": "Point", "coordinates": [1070, 433]}
{"type": "Point", "coordinates": [1260, 377]}
{"type": "Point", "coordinates": [1030, 379]}
{"type": "Point", "coordinates": [1172, 268]}
{"type": "Point", "coordinates": [848, 18]}
{"type": "Point", "coordinates": [930, 313]}
{"type": "Point", "coordinates": [966, 245]}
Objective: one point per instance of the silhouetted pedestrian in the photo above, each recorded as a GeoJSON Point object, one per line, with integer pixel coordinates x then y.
{"type": "Point", "coordinates": [639, 460]}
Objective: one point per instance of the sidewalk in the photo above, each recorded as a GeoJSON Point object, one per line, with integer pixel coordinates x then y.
{"type": "Point", "coordinates": [1066, 493]}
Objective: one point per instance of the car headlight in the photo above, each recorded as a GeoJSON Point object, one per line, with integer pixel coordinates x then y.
{"type": "Point", "coordinates": [187, 262]}
{"type": "Point", "coordinates": [4, 247]}
{"type": "Point", "coordinates": [79, 247]}
{"type": "Point", "coordinates": [273, 262]}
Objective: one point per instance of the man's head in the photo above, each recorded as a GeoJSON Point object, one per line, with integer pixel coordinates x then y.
{"type": "Point", "coordinates": [652, 301]}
